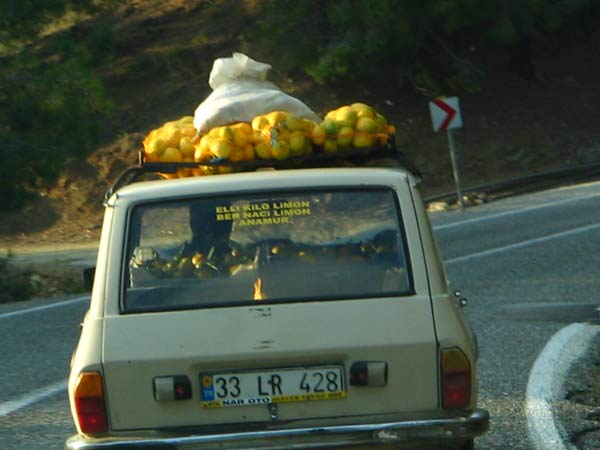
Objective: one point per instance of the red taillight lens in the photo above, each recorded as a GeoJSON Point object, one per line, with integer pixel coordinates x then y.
{"type": "Point", "coordinates": [456, 379]}
{"type": "Point", "coordinates": [89, 403]}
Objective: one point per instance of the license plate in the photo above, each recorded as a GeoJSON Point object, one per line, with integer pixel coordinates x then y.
{"type": "Point", "coordinates": [272, 386]}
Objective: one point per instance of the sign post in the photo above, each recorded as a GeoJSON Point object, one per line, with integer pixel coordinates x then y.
{"type": "Point", "coordinates": [445, 116]}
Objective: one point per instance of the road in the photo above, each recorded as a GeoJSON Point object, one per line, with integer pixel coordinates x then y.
{"type": "Point", "coordinates": [528, 250]}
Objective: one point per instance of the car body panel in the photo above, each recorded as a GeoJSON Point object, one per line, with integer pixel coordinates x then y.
{"type": "Point", "coordinates": [405, 332]}
{"type": "Point", "coordinates": [277, 336]}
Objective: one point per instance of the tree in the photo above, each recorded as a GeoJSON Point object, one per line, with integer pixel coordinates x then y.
{"type": "Point", "coordinates": [51, 102]}
{"type": "Point", "coordinates": [430, 42]}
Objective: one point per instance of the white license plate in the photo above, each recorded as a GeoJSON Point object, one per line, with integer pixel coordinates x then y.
{"type": "Point", "coordinates": [272, 386]}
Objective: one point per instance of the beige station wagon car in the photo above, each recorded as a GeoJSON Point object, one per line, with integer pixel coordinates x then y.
{"type": "Point", "coordinates": [280, 309]}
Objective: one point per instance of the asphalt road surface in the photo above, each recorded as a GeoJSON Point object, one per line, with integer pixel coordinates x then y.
{"type": "Point", "coordinates": [531, 250]}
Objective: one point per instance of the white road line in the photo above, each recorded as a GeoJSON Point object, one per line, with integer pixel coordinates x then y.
{"type": "Point", "coordinates": [546, 383]}
{"type": "Point", "coordinates": [513, 212]}
{"type": "Point", "coordinates": [11, 406]}
{"type": "Point", "coordinates": [21, 312]}
{"type": "Point", "coordinates": [522, 244]}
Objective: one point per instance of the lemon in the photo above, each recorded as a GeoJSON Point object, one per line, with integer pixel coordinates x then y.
{"type": "Point", "coordinates": [170, 124]}
{"type": "Point", "coordinates": [160, 145]}
{"type": "Point", "coordinates": [173, 136]}
{"type": "Point", "coordinates": [276, 117]}
{"type": "Point", "coordinates": [308, 125]}
{"type": "Point", "coordinates": [237, 154]}
{"type": "Point", "coordinates": [214, 132]}
{"type": "Point", "coordinates": [366, 124]}
{"type": "Point", "coordinates": [258, 136]}
{"type": "Point", "coordinates": [294, 123]}
{"type": "Point", "coordinates": [197, 259]}
{"type": "Point", "coordinates": [263, 150]}
{"type": "Point", "coordinates": [381, 123]}
{"type": "Point", "coordinates": [283, 135]}
{"type": "Point", "coordinates": [281, 151]}
{"type": "Point", "coordinates": [363, 139]}
{"type": "Point", "coordinates": [308, 148]}
{"type": "Point", "coordinates": [260, 123]}
{"type": "Point", "coordinates": [330, 126]}
{"type": "Point", "coordinates": [330, 145]}
{"type": "Point", "coordinates": [249, 153]}
{"type": "Point", "coordinates": [346, 116]}
{"type": "Point", "coordinates": [186, 147]}
{"type": "Point", "coordinates": [242, 127]}
{"type": "Point", "coordinates": [171, 154]}
{"type": "Point", "coordinates": [220, 147]}
{"type": "Point", "coordinates": [345, 136]}
{"type": "Point", "coordinates": [188, 131]}
{"type": "Point", "coordinates": [318, 135]}
{"type": "Point", "coordinates": [366, 112]}
{"type": "Point", "coordinates": [297, 143]}
{"type": "Point", "coordinates": [204, 142]}
{"type": "Point", "coordinates": [185, 120]}
{"type": "Point", "coordinates": [225, 132]}
{"type": "Point", "coordinates": [240, 138]}
{"type": "Point", "coordinates": [201, 155]}
{"type": "Point", "coordinates": [358, 106]}
{"type": "Point", "coordinates": [155, 150]}
{"type": "Point", "coordinates": [331, 114]}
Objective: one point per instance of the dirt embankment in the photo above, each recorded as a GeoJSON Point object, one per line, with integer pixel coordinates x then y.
{"type": "Point", "coordinates": [164, 53]}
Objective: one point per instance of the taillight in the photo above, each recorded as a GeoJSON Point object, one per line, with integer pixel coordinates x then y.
{"type": "Point", "coordinates": [456, 379]}
{"type": "Point", "coordinates": [89, 403]}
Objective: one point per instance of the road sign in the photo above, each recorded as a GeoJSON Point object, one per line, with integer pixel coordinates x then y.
{"type": "Point", "coordinates": [445, 113]}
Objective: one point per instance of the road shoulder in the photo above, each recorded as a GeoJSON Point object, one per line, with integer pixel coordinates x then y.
{"type": "Point", "coordinates": [579, 410]}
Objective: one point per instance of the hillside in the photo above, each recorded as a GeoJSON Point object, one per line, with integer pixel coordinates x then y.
{"type": "Point", "coordinates": [163, 55]}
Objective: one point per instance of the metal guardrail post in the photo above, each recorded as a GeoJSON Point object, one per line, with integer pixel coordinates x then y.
{"type": "Point", "coordinates": [455, 168]}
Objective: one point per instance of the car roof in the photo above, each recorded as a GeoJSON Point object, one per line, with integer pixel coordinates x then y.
{"type": "Point", "coordinates": [259, 181]}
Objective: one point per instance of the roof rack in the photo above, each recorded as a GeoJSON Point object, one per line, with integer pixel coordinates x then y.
{"type": "Point", "coordinates": [358, 156]}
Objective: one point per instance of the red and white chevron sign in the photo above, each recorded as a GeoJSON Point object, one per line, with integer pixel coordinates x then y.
{"type": "Point", "coordinates": [445, 113]}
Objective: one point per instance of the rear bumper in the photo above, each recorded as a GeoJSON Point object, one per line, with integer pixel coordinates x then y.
{"type": "Point", "coordinates": [442, 430]}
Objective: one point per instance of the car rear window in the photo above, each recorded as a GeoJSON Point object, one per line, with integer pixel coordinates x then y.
{"type": "Point", "coordinates": [255, 248]}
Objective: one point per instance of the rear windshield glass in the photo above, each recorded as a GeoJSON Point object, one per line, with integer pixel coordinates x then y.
{"type": "Point", "coordinates": [252, 249]}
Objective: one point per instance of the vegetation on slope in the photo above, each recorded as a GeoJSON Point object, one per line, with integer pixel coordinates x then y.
{"type": "Point", "coordinates": [83, 81]}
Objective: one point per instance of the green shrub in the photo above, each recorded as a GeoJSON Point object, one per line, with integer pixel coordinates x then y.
{"type": "Point", "coordinates": [439, 43]}
{"type": "Point", "coordinates": [15, 285]}
{"type": "Point", "coordinates": [52, 103]}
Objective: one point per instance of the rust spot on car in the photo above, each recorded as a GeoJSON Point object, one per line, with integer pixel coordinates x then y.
{"type": "Point", "coordinates": [262, 312]}
{"type": "Point", "coordinates": [264, 345]}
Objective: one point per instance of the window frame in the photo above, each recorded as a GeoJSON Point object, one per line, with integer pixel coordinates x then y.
{"type": "Point", "coordinates": [126, 250]}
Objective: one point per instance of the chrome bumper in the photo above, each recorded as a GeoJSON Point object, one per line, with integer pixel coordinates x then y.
{"type": "Point", "coordinates": [441, 430]}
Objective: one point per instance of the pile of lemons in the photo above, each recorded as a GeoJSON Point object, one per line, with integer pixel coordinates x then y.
{"type": "Point", "coordinates": [173, 142]}
{"type": "Point", "coordinates": [274, 136]}
{"type": "Point", "coordinates": [277, 135]}
{"type": "Point", "coordinates": [352, 126]}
